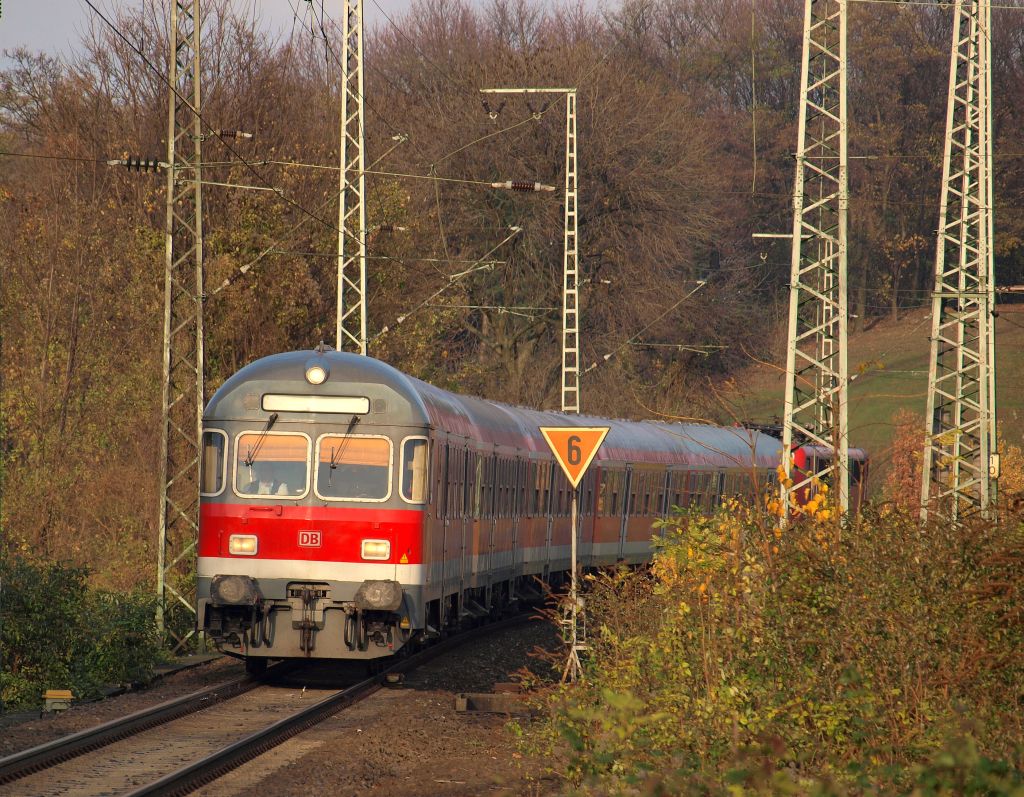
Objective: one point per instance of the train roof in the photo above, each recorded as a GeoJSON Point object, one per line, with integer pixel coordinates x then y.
{"type": "Point", "coordinates": [401, 400]}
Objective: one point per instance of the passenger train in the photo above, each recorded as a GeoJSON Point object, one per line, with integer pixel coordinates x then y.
{"type": "Point", "coordinates": [347, 508]}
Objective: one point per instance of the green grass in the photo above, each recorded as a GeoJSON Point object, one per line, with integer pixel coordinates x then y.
{"type": "Point", "coordinates": [889, 364]}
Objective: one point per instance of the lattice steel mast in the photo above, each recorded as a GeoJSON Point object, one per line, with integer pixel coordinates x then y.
{"type": "Point", "coordinates": [961, 465]}
{"type": "Point", "coordinates": [183, 331]}
{"type": "Point", "coordinates": [570, 270]}
{"type": "Point", "coordinates": [350, 331]}
{"type": "Point", "coordinates": [816, 360]}
{"type": "Point", "coordinates": [570, 382]}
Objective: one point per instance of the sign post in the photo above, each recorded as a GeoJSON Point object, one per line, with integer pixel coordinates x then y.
{"type": "Point", "coordinates": [575, 448]}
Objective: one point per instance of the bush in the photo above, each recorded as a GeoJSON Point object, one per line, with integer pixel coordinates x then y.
{"type": "Point", "coordinates": [820, 658]}
{"type": "Point", "coordinates": [58, 633]}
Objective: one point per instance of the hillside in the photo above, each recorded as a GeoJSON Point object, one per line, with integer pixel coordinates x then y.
{"type": "Point", "coordinates": [890, 367]}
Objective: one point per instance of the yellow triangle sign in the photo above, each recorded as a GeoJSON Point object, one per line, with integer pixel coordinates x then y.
{"type": "Point", "coordinates": [574, 447]}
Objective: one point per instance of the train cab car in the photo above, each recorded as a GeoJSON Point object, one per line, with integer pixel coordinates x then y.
{"type": "Point", "coordinates": [809, 459]}
{"type": "Point", "coordinates": [311, 508]}
{"type": "Point", "coordinates": [347, 508]}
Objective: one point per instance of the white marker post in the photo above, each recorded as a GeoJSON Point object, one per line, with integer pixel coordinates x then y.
{"type": "Point", "coordinates": [575, 448]}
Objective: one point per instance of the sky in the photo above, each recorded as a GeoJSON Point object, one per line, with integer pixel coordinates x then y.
{"type": "Point", "coordinates": [54, 26]}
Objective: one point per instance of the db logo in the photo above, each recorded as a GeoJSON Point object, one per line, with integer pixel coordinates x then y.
{"type": "Point", "coordinates": [309, 539]}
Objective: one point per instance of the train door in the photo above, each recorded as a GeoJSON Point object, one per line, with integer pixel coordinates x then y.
{"type": "Point", "coordinates": [549, 515]}
{"type": "Point", "coordinates": [587, 516]}
{"type": "Point", "coordinates": [664, 500]}
{"type": "Point", "coordinates": [454, 473]}
{"type": "Point", "coordinates": [438, 519]}
{"type": "Point", "coordinates": [435, 516]}
{"type": "Point", "coordinates": [497, 552]}
{"type": "Point", "coordinates": [627, 507]}
{"type": "Point", "coordinates": [445, 499]}
{"type": "Point", "coordinates": [459, 538]}
{"type": "Point", "coordinates": [480, 549]}
{"type": "Point", "coordinates": [518, 503]}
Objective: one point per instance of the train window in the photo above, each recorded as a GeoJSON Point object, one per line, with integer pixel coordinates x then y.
{"type": "Point", "coordinates": [214, 462]}
{"type": "Point", "coordinates": [478, 485]}
{"type": "Point", "coordinates": [523, 481]}
{"type": "Point", "coordinates": [698, 489]}
{"type": "Point", "coordinates": [536, 469]}
{"type": "Point", "coordinates": [274, 464]}
{"type": "Point", "coordinates": [511, 508]}
{"type": "Point", "coordinates": [517, 487]}
{"type": "Point", "coordinates": [547, 488]}
{"type": "Point", "coordinates": [467, 483]}
{"type": "Point", "coordinates": [451, 477]}
{"type": "Point", "coordinates": [494, 465]}
{"type": "Point", "coordinates": [459, 493]}
{"type": "Point", "coordinates": [414, 470]}
{"type": "Point", "coordinates": [511, 487]}
{"type": "Point", "coordinates": [499, 486]}
{"type": "Point", "coordinates": [506, 488]}
{"type": "Point", "coordinates": [353, 467]}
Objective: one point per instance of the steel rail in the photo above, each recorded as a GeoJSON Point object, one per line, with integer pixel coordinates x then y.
{"type": "Point", "coordinates": [67, 747]}
{"type": "Point", "coordinates": [192, 776]}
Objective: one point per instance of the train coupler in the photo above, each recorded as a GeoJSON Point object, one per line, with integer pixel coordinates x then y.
{"type": "Point", "coordinates": [308, 603]}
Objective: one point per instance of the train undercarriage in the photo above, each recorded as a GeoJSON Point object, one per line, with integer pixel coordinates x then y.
{"type": "Point", "coordinates": [314, 620]}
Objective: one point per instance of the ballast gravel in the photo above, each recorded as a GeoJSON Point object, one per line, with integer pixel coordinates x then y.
{"type": "Point", "coordinates": [400, 742]}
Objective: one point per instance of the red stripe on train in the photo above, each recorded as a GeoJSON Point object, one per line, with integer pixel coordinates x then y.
{"type": "Point", "coordinates": [342, 530]}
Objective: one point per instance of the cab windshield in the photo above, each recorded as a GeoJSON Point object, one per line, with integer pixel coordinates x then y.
{"type": "Point", "coordinates": [269, 464]}
{"type": "Point", "coordinates": [354, 468]}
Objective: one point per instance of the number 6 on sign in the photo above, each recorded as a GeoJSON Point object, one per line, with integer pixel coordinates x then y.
{"type": "Point", "coordinates": [574, 447]}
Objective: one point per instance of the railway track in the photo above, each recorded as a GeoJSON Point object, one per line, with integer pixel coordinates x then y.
{"type": "Point", "coordinates": [165, 750]}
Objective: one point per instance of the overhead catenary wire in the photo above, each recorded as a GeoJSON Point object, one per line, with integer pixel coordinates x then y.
{"type": "Point", "coordinates": [511, 185]}
{"type": "Point", "coordinates": [630, 341]}
{"type": "Point", "coordinates": [216, 132]}
{"type": "Point", "coordinates": [44, 156]}
{"type": "Point", "coordinates": [480, 264]}
{"type": "Point", "coordinates": [184, 100]}
{"type": "Point", "coordinates": [330, 52]}
{"type": "Point", "coordinates": [521, 312]}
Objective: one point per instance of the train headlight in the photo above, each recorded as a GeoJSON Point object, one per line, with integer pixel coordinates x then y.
{"type": "Point", "coordinates": [243, 544]}
{"type": "Point", "coordinates": [316, 373]}
{"type": "Point", "coordinates": [379, 550]}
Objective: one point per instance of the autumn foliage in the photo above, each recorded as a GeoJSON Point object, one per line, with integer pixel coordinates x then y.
{"type": "Point", "coordinates": [866, 657]}
{"type": "Point", "coordinates": [687, 122]}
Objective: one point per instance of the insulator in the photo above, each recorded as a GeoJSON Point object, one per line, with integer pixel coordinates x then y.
{"type": "Point", "coordinates": [522, 185]}
{"type": "Point", "coordinates": [138, 164]}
